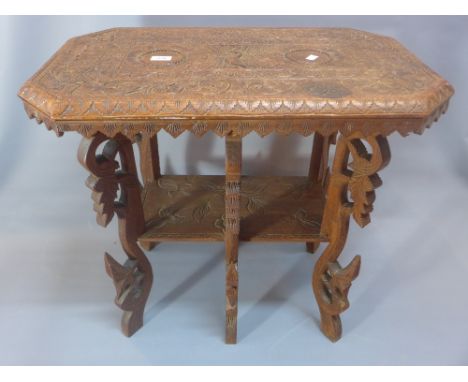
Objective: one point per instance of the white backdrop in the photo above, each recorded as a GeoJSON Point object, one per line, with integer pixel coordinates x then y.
{"type": "Point", "coordinates": [408, 306]}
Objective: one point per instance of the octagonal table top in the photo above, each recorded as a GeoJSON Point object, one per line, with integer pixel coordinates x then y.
{"type": "Point", "coordinates": [134, 80]}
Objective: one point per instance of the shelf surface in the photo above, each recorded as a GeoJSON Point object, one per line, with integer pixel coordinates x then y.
{"type": "Point", "coordinates": [273, 208]}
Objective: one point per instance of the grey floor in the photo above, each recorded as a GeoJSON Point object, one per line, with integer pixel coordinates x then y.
{"type": "Point", "coordinates": [408, 306]}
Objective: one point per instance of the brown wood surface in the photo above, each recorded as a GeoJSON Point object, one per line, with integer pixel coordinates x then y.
{"type": "Point", "coordinates": [134, 278]}
{"type": "Point", "coordinates": [354, 173]}
{"type": "Point", "coordinates": [149, 168]}
{"type": "Point", "coordinates": [359, 89]}
{"type": "Point", "coordinates": [234, 79]}
{"type": "Point", "coordinates": [179, 207]}
{"type": "Point", "coordinates": [232, 224]}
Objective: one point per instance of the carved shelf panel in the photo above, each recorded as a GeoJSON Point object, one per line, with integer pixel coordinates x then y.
{"type": "Point", "coordinates": [272, 209]}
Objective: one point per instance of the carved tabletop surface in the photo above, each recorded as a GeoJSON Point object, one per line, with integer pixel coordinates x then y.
{"type": "Point", "coordinates": [134, 80]}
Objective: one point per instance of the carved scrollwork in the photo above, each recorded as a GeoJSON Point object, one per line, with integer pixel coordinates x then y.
{"type": "Point", "coordinates": [132, 280]}
{"type": "Point", "coordinates": [364, 178]}
{"type": "Point", "coordinates": [103, 179]}
{"type": "Point", "coordinates": [104, 196]}
{"type": "Point", "coordinates": [358, 179]}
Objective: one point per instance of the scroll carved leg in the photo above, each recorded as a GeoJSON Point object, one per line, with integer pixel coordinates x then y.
{"type": "Point", "coordinates": [232, 205]}
{"type": "Point", "coordinates": [330, 281]}
{"type": "Point", "coordinates": [134, 278]}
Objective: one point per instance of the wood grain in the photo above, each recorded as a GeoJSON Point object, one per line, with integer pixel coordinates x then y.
{"type": "Point", "coordinates": [272, 208]}
{"type": "Point", "coordinates": [232, 196]}
{"type": "Point", "coordinates": [234, 79]}
{"type": "Point", "coordinates": [358, 177]}
{"type": "Point", "coordinates": [149, 168]}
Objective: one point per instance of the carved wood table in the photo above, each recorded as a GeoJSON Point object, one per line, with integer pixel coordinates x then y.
{"type": "Point", "coordinates": [348, 88]}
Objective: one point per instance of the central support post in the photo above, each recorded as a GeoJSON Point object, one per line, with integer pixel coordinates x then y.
{"type": "Point", "coordinates": [232, 229]}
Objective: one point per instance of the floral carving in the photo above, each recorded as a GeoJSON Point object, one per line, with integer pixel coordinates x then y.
{"type": "Point", "coordinates": [173, 188]}
{"type": "Point", "coordinates": [166, 215]}
{"type": "Point", "coordinates": [200, 212]}
{"type": "Point", "coordinates": [255, 198]}
{"type": "Point", "coordinates": [302, 216]}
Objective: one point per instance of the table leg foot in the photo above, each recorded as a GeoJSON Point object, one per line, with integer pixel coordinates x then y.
{"type": "Point", "coordinates": [131, 322]}
{"type": "Point", "coordinates": [312, 246]}
{"type": "Point", "coordinates": [331, 283]}
{"type": "Point", "coordinates": [132, 282]}
{"type": "Point", "coordinates": [232, 283]}
{"type": "Point", "coordinates": [330, 325]}
{"type": "Point", "coordinates": [231, 328]}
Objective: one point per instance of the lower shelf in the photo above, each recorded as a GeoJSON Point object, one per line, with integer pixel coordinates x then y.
{"type": "Point", "coordinates": [273, 208]}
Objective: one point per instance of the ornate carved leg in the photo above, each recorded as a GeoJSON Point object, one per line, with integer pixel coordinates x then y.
{"type": "Point", "coordinates": [134, 278]}
{"type": "Point", "coordinates": [331, 281]}
{"type": "Point", "coordinates": [318, 169]}
{"type": "Point", "coordinates": [149, 167]}
{"type": "Point", "coordinates": [232, 205]}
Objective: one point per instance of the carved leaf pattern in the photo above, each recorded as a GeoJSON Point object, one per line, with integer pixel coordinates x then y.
{"type": "Point", "coordinates": [255, 203]}
{"type": "Point", "coordinates": [218, 188]}
{"type": "Point", "coordinates": [255, 198]}
{"type": "Point", "coordinates": [166, 215]}
{"type": "Point", "coordinates": [200, 212]}
{"type": "Point", "coordinates": [299, 191]}
{"type": "Point", "coordinates": [220, 223]}
{"type": "Point", "coordinates": [173, 187]}
{"type": "Point", "coordinates": [301, 216]}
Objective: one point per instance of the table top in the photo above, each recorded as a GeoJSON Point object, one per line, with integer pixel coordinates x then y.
{"type": "Point", "coordinates": [152, 78]}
